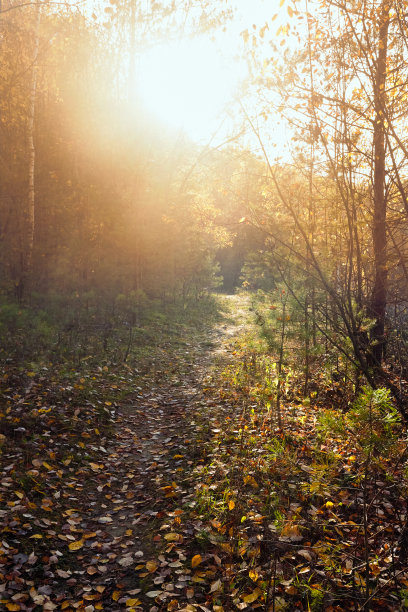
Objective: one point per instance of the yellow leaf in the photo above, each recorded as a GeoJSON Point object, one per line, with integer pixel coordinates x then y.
{"type": "Point", "coordinates": [197, 578]}
{"type": "Point", "coordinates": [231, 504]}
{"type": "Point", "coordinates": [76, 545]}
{"type": "Point", "coordinates": [290, 11]}
{"type": "Point", "coordinates": [47, 465]}
{"type": "Point", "coordinates": [196, 560]}
{"type": "Point", "coordinates": [253, 574]}
{"type": "Point", "coordinates": [36, 536]}
{"type": "Point", "coordinates": [152, 566]}
{"type": "Point", "coordinates": [13, 606]}
{"type": "Point", "coordinates": [71, 511]}
{"type": "Point", "coordinates": [329, 504]}
{"type": "Point", "coordinates": [132, 602]}
{"type": "Point", "coordinates": [252, 596]}
{"type": "Point", "coordinates": [172, 537]}
{"type": "Point", "coordinates": [30, 374]}
{"type": "Point", "coordinates": [115, 595]}
{"type": "Point", "coordinates": [282, 2]}
{"type": "Point", "coordinates": [250, 480]}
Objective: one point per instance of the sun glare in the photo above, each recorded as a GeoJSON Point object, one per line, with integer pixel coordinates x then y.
{"type": "Point", "coordinates": [189, 85]}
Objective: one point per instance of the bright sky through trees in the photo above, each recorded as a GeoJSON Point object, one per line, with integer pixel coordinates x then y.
{"type": "Point", "coordinates": [193, 83]}
{"type": "Point", "coordinates": [189, 84]}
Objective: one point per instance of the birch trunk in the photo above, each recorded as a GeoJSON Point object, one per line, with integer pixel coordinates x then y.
{"type": "Point", "coordinates": [30, 208]}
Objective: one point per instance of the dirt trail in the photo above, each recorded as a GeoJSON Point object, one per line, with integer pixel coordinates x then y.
{"type": "Point", "coordinates": [99, 476]}
{"type": "Point", "coordinates": [147, 473]}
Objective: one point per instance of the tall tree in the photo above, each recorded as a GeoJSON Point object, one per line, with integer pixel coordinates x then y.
{"type": "Point", "coordinates": [340, 94]}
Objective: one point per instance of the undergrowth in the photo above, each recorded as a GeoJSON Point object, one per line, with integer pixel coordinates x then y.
{"type": "Point", "coordinates": [314, 508]}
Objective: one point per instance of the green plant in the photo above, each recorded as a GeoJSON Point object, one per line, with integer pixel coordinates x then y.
{"type": "Point", "coordinates": [373, 420]}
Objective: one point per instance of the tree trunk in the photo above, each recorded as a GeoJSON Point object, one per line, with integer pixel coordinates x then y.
{"type": "Point", "coordinates": [30, 207]}
{"type": "Point", "coordinates": [379, 294]}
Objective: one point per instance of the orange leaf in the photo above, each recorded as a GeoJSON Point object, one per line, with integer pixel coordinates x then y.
{"type": "Point", "coordinates": [196, 560]}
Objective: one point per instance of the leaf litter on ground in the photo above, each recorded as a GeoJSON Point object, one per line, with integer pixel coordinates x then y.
{"type": "Point", "coordinates": [176, 490]}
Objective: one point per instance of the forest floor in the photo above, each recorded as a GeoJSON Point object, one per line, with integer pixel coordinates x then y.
{"type": "Point", "coordinates": [167, 487]}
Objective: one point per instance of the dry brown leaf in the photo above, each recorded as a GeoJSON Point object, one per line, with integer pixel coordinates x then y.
{"type": "Point", "coordinates": [216, 586]}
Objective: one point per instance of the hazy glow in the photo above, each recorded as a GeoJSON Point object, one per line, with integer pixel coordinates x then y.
{"type": "Point", "coordinates": [189, 85]}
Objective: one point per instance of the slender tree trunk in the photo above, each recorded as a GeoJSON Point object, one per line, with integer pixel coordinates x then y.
{"type": "Point", "coordinates": [30, 207]}
{"type": "Point", "coordinates": [379, 294]}
{"type": "Point", "coordinates": [280, 363]}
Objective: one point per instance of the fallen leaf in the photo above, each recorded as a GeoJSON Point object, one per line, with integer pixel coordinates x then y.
{"type": "Point", "coordinates": [76, 545]}
{"type": "Point", "coordinates": [173, 537]}
{"type": "Point", "coordinates": [196, 560]}
{"type": "Point", "coordinates": [126, 561]}
{"type": "Point", "coordinates": [251, 597]}
{"type": "Point", "coordinates": [63, 574]}
{"type": "Point", "coordinates": [105, 519]}
{"type": "Point", "coordinates": [132, 602]}
{"type": "Point", "coordinates": [152, 566]}
{"type": "Point", "coordinates": [153, 593]}
{"type": "Point", "coordinates": [216, 586]}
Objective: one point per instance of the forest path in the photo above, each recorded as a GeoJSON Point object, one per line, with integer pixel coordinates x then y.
{"type": "Point", "coordinates": [101, 470]}
{"type": "Point", "coordinates": [147, 475]}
